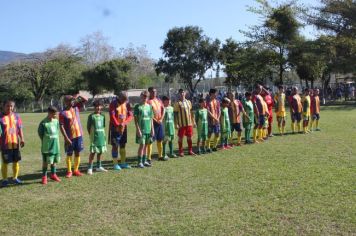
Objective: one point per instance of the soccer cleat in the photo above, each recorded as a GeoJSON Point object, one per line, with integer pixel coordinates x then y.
{"type": "Point", "coordinates": [192, 153]}
{"type": "Point", "coordinates": [17, 181]}
{"type": "Point", "coordinates": [77, 173]}
{"type": "Point", "coordinates": [101, 169]}
{"type": "Point", "coordinates": [199, 152]}
{"type": "Point", "coordinates": [173, 156]}
{"type": "Point", "coordinates": [117, 167]}
{"type": "Point", "coordinates": [140, 165]}
{"type": "Point", "coordinates": [54, 177]}
{"type": "Point", "coordinates": [317, 129]}
{"type": "Point", "coordinates": [208, 150]}
{"type": "Point", "coordinates": [147, 164]}
{"type": "Point", "coordinates": [223, 148]}
{"type": "Point", "coordinates": [44, 180]}
{"type": "Point", "coordinates": [214, 149]}
{"type": "Point", "coordinates": [203, 151]}
{"type": "Point", "coordinates": [228, 146]}
{"type": "Point", "coordinates": [125, 166]}
{"type": "Point", "coordinates": [4, 183]}
{"type": "Point", "coordinates": [165, 158]}
{"type": "Point", "coordinates": [69, 174]}
{"type": "Point", "coordinates": [181, 154]}
{"type": "Point", "coordinates": [90, 171]}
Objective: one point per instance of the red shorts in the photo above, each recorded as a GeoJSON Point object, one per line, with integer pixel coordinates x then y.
{"type": "Point", "coordinates": [185, 131]}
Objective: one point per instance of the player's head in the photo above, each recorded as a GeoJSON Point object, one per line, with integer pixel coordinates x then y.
{"type": "Point", "coordinates": [98, 106]}
{"type": "Point", "coordinates": [281, 88]}
{"type": "Point", "coordinates": [306, 91]}
{"type": "Point", "coordinates": [316, 92]}
{"type": "Point", "coordinates": [166, 101]}
{"type": "Point", "coordinates": [68, 101]}
{"type": "Point", "coordinates": [295, 90]}
{"type": "Point", "coordinates": [258, 89]}
{"type": "Point", "coordinates": [248, 95]}
{"type": "Point", "coordinates": [181, 94]}
{"type": "Point", "coordinates": [9, 106]}
{"type": "Point", "coordinates": [153, 92]}
{"type": "Point", "coordinates": [144, 96]}
{"type": "Point", "coordinates": [52, 112]}
{"type": "Point", "coordinates": [230, 95]}
{"type": "Point", "coordinates": [202, 103]}
{"type": "Point", "coordinates": [212, 93]}
{"type": "Point", "coordinates": [122, 97]}
{"type": "Point", "coordinates": [225, 102]}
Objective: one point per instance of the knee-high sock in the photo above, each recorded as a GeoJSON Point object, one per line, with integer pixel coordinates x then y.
{"type": "Point", "coordinates": [311, 123]}
{"type": "Point", "coordinates": [246, 135]}
{"type": "Point", "coordinates": [149, 151]}
{"type": "Point", "coordinates": [280, 129]}
{"type": "Point", "coordinates": [160, 148]}
{"type": "Point", "coordinates": [293, 126]}
{"type": "Point", "coordinates": [76, 163]}
{"type": "Point", "coordinates": [44, 171]}
{"type": "Point", "coordinates": [69, 163]}
{"type": "Point", "coordinates": [122, 155]}
{"type": "Point", "coordinates": [208, 142]}
{"type": "Point", "coordinates": [216, 140]}
{"type": "Point", "coordinates": [283, 129]}
{"type": "Point", "coordinates": [15, 169]}
{"type": "Point", "coordinates": [299, 125]}
{"type": "Point", "coordinates": [238, 138]}
{"type": "Point", "coordinates": [170, 144]}
{"type": "Point", "coordinates": [254, 135]}
{"type": "Point", "coordinates": [4, 170]}
{"type": "Point", "coordinates": [180, 146]}
{"type": "Point", "coordinates": [269, 129]}
{"type": "Point", "coordinates": [231, 138]}
{"type": "Point", "coordinates": [164, 148]}
{"type": "Point", "coordinates": [249, 134]}
{"type": "Point", "coordinates": [317, 124]}
{"type": "Point", "coordinates": [53, 169]}
{"type": "Point", "coordinates": [305, 129]}
{"type": "Point", "coordinates": [260, 133]}
{"type": "Point", "coordinates": [190, 145]}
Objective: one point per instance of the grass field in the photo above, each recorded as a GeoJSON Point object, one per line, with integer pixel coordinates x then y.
{"type": "Point", "coordinates": [291, 185]}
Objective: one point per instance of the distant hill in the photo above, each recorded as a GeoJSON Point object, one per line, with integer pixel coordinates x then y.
{"type": "Point", "coordinates": [8, 57]}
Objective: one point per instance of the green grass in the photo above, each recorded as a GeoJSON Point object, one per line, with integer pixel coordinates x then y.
{"type": "Point", "coordinates": [291, 185]}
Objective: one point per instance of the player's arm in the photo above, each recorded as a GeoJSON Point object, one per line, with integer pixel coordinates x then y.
{"type": "Point", "coordinates": [113, 119]}
{"type": "Point", "coordinates": [20, 132]}
{"type": "Point", "coordinates": [40, 131]}
{"type": "Point", "coordinates": [192, 115]}
{"type": "Point", "coordinates": [89, 123]}
{"type": "Point", "coordinates": [176, 115]}
{"type": "Point", "coordinates": [138, 130]}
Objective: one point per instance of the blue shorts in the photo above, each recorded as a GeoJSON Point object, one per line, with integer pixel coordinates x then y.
{"type": "Point", "coordinates": [297, 116]}
{"type": "Point", "coordinates": [76, 146]}
{"type": "Point", "coordinates": [213, 129]}
{"type": "Point", "coordinates": [11, 155]}
{"type": "Point", "coordinates": [118, 139]}
{"type": "Point", "coordinates": [315, 116]}
{"type": "Point", "coordinates": [236, 127]}
{"type": "Point", "coordinates": [159, 131]}
{"type": "Point", "coordinates": [261, 120]}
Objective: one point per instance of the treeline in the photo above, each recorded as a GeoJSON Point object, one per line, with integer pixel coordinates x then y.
{"type": "Point", "coordinates": [272, 50]}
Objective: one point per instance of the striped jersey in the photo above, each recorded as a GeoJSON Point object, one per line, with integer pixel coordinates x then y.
{"type": "Point", "coordinates": [235, 110]}
{"type": "Point", "coordinates": [213, 106]}
{"type": "Point", "coordinates": [306, 105]}
{"type": "Point", "coordinates": [258, 100]}
{"type": "Point", "coordinates": [120, 114]}
{"type": "Point", "coordinates": [315, 105]}
{"type": "Point", "coordinates": [269, 101]}
{"type": "Point", "coordinates": [70, 120]}
{"type": "Point", "coordinates": [296, 103]}
{"type": "Point", "coordinates": [183, 113]}
{"type": "Point", "coordinates": [280, 99]}
{"type": "Point", "coordinates": [10, 126]}
{"type": "Point", "coordinates": [158, 108]}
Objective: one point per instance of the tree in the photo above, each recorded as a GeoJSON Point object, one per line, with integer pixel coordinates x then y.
{"type": "Point", "coordinates": [187, 54]}
{"type": "Point", "coordinates": [108, 76]}
{"type": "Point", "coordinates": [278, 32]}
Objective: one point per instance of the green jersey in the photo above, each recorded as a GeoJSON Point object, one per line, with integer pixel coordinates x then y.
{"type": "Point", "coordinates": [168, 121]}
{"type": "Point", "coordinates": [96, 129]}
{"type": "Point", "coordinates": [225, 120]}
{"type": "Point", "coordinates": [144, 115]}
{"type": "Point", "coordinates": [201, 119]}
{"type": "Point", "coordinates": [248, 106]}
{"type": "Point", "coordinates": [48, 130]}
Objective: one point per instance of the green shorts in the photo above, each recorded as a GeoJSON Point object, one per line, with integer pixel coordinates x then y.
{"type": "Point", "coordinates": [97, 149]}
{"type": "Point", "coordinates": [265, 125]}
{"type": "Point", "coordinates": [202, 137]}
{"type": "Point", "coordinates": [168, 138]}
{"type": "Point", "coordinates": [225, 135]}
{"type": "Point", "coordinates": [145, 139]}
{"type": "Point", "coordinates": [51, 158]}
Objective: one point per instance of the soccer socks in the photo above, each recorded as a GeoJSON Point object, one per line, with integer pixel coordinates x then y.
{"type": "Point", "coordinates": [149, 151]}
{"type": "Point", "coordinates": [4, 170]}
{"type": "Point", "coordinates": [299, 125]}
{"type": "Point", "coordinates": [170, 148]}
{"type": "Point", "coordinates": [239, 138]}
{"type": "Point", "coordinates": [44, 171]}
{"type": "Point", "coordinates": [283, 129]}
{"type": "Point", "coordinates": [98, 164]}
{"type": "Point", "coordinates": [280, 129]}
{"type": "Point", "coordinates": [53, 169]}
{"type": "Point", "coordinates": [260, 134]}
{"type": "Point", "coordinates": [160, 148]}
{"type": "Point", "coordinates": [254, 135]}
{"type": "Point", "coordinates": [122, 155]}
{"type": "Point", "coordinates": [180, 146]}
{"type": "Point", "coordinates": [216, 140]}
{"type": "Point", "coordinates": [190, 145]}
{"type": "Point", "coordinates": [208, 142]}
{"type": "Point", "coordinates": [293, 126]}
{"type": "Point", "coordinates": [164, 144]}
{"type": "Point", "coordinates": [317, 124]}
{"type": "Point", "coordinates": [76, 163]}
{"type": "Point", "coordinates": [15, 169]}
{"type": "Point", "coordinates": [139, 159]}
{"type": "Point", "coordinates": [69, 163]}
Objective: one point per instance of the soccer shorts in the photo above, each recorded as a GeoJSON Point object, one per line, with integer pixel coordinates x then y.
{"type": "Point", "coordinates": [261, 120]}
{"type": "Point", "coordinates": [168, 138]}
{"type": "Point", "coordinates": [51, 158]}
{"type": "Point", "coordinates": [159, 131]}
{"type": "Point", "coordinates": [281, 118]}
{"type": "Point", "coordinates": [118, 139]}
{"type": "Point", "coordinates": [11, 155]}
{"type": "Point", "coordinates": [76, 146]}
{"type": "Point", "coordinates": [306, 117]}
{"type": "Point", "coordinates": [214, 129]}
{"type": "Point", "coordinates": [145, 139]}
{"type": "Point", "coordinates": [97, 149]}
{"type": "Point", "coordinates": [281, 113]}
{"type": "Point", "coordinates": [296, 116]}
{"type": "Point", "coordinates": [316, 116]}
{"type": "Point", "coordinates": [236, 127]}
{"type": "Point", "coordinates": [185, 131]}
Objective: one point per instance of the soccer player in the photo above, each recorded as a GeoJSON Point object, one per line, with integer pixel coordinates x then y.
{"type": "Point", "coordinates": [120, 116]}
{"type": "Point", "coordinates": [260, 113]}
{"type": "Point", "coordinates": [270, 103]}
{"type": "Point", "coordinates": [158, 111]}
{"type": "Point", "coordinates": [266, 123]}
{"type": "Point", "coordinates": [11, 140]}
{"type": "Point", "coordinates": [296, 110]}
{"type": "Point", "coordinates": [96, 130]}
{"type": "Point", "coordinates": [213, 106]}
{"type": "Point", "coordinates": [235, 110]}
{"type": "Point", "coordinates": [48, 131]}
{"type": "Point", "coordinates": [169, 128]}
{"type": "Point", "coordinates": [225, 124]}
{"type": "Point", "coordinates": [143, 114]}
{"type": "Point", "coordinates": [315, 110]}
{"type": "Point", "coordinates": [306, 109]}
{"type": "Point", "coordinates": [249, 119]}
{"type": "Point", "coordinates": [184, 120]}
{"type": "Point", "coordinates": [280, 109]}
{"type": "Point", "coordinates": [72, 132]}
{"type": "Point", "coordinates": [201, 119]}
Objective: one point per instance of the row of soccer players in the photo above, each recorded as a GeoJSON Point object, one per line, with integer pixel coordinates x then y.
{"type": "Point", "coordinates": [155, 120]}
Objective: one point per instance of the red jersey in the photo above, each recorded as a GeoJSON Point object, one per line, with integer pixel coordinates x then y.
{"type": "Point", "coordinates": [120, 114]}
{"type": "Point", "coordinates": [158, 108]}
{"type": "Point", "coordinates": [11, 125]}
{"type": "Point", "coordinates": [270, 103]}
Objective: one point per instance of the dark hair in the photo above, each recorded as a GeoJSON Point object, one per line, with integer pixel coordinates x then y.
{"type": "Point", "coordinates": [97, 103]}
{"type": "Point", "coordinates": [9, 101]}
{"type": "Point", "coordinates": [150, 89]}
{"type": "Point", "coordinates": [52, 109]}
{"type": "Point", "coordinates": [180, 90]}
{"type": "Point", "coordinates": [201, 100]}
{"type": "Point", "coordinates": [280, 86]}
{"type": "Point", "coordinates": [247, 94]}
{"type": "Point", "coordinates": [212, 91]}
{"type": "Point", "coordinates": [306, 89]}
{"type": "Point", "coordinates": [165, 98]}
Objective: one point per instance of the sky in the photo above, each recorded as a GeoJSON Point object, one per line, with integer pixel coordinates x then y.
{"type": "Point", "coordinates": [36, 25]}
